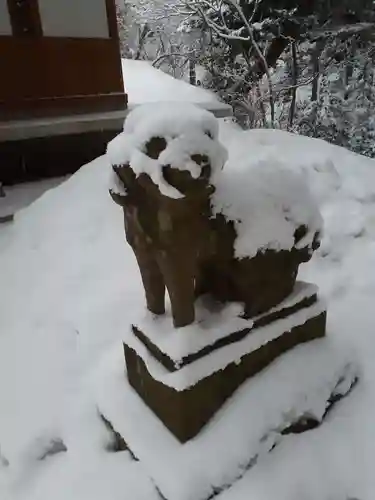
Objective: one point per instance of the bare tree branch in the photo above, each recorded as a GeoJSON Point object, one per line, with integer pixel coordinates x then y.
{"type": "Point", "coordinates": [172, 54]}
{"type": "Point", "coordinates": [260, 55]}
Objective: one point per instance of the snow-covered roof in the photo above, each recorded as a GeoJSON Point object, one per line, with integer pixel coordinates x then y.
{"type": "Point", "coordinates": [144, 83]}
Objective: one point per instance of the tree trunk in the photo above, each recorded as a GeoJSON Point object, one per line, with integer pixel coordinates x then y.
{"type": "Point", "coordinates": [192, 73]}
{"type": "Point", "coordinates": [179, 276]}
{"type": "Point", "coordinates": [316, 69]}
{"type": "Point", "coordinates": [294, 83]}
{"type": "Point", "coordinates": [276, 48]}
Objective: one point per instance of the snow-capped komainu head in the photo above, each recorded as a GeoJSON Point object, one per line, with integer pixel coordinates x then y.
{"type": "Point", "coordinates": [175, 145]}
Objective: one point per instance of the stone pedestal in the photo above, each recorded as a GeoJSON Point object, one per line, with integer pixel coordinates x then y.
{"type": "Point", "coordinates": [185, 387]}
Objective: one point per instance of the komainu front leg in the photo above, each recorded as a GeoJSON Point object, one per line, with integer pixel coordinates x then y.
{"type": "Point", "coordinates": [179, 280]}
{"type": "Point", "coordinates": [153, 282]}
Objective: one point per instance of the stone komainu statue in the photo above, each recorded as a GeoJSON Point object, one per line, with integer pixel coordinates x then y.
{"type": "Point", "coordinates": [181, 244]}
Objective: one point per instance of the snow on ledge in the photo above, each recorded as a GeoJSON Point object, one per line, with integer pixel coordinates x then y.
{"type": "Point", "coordinates": [190, 374]}
{"type": "Point", "coordinates": [212, 323]}
{"type": "Point", "coordinates": [299, 383]}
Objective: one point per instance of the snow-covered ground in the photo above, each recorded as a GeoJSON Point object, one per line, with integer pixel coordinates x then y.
{"type": "Point", "coordinates": [22, 195]}
{"type": "Point", "coordinates": [70, 286]}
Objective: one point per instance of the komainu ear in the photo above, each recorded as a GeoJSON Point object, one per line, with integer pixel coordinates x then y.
{"type": "Point", "coordinates": [300, 233]}
{"type": "Point", "coordinates": [186, 184]}
{"type": "Point", "coordinates": [120, 199]}
{"type": "Point", "coordinates": [126, 175]}
{"type": "Point", "coordinates": [317, 241]}
{"type": "Point", "coordinates": [179, 179]}
{"type": "Point", "coordinates": [127, 178]}
{"type": "Point", "coordinates": [182, 179]}
{"type": "Point", "coordinates": [204, 162]}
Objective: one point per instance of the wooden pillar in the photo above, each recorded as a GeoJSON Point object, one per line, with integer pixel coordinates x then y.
{"type": "Point", "coordinates": [25, 17]}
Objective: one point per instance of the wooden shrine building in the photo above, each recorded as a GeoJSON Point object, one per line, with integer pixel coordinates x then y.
{"type": "Point", "coordinates": [61, 90]}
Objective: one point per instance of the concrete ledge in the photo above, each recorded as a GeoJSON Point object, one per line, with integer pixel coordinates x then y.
{"type": "Point", "coordinates": [39, 148]}
{"type": "Point", "coordinates": [50, 156]}
{"type": "Point", "coordinates": [17, 130]}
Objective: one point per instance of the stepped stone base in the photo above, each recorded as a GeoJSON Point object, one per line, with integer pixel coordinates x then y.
{"type": "Point", "coordinates": [186, 410]}
{"type": "Point", "coordinates": [292, 395]}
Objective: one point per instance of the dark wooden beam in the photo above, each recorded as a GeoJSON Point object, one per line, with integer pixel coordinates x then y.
{"type": "Point", "coordinates": [25, 18]}
{"type": "Point", "coordinates": [112, 19]}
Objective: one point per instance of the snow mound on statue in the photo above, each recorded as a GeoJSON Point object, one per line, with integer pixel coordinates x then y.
{"type": "Point", "coordinates": [268, 202]}
{"type": "Point", "coordinates": [219, 359]}
{"type": "Point", "coordinates": [187, 129]}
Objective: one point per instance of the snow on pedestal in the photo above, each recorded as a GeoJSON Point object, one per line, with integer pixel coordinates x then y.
{"type": "Point", "coordinates": [217, 360]}
{"type": "Point", "coordinates": [214, 322]}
